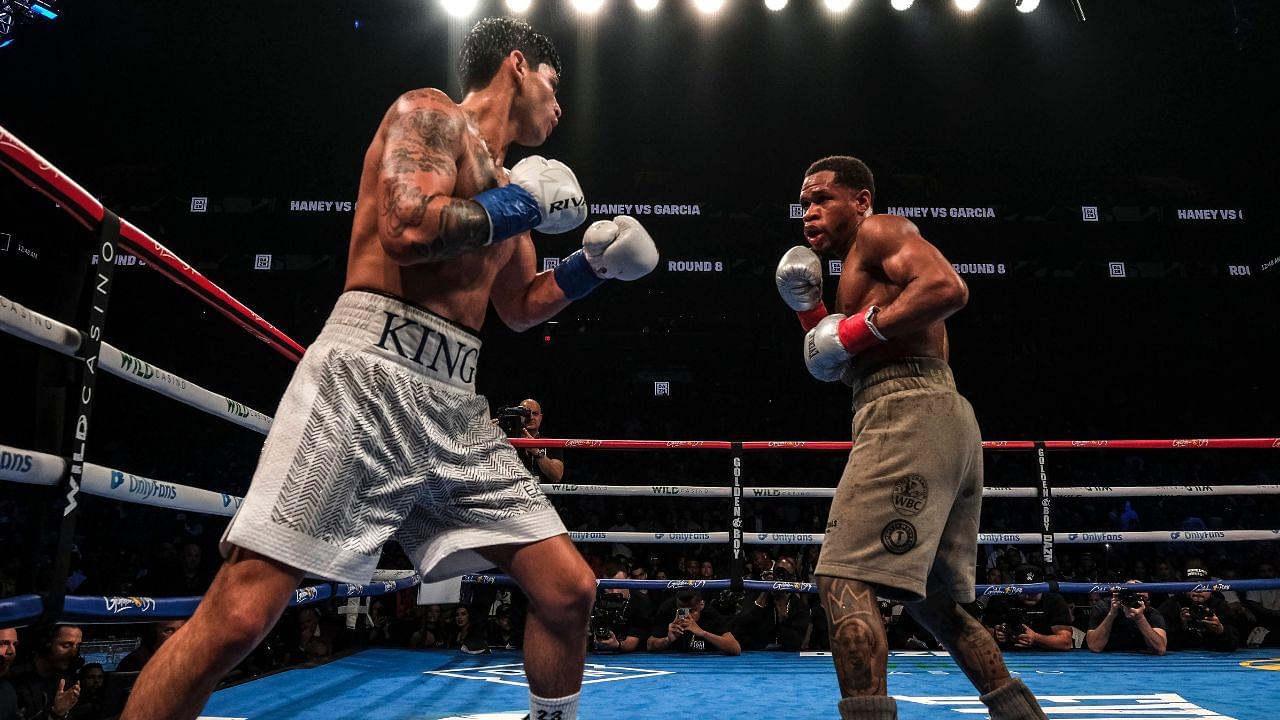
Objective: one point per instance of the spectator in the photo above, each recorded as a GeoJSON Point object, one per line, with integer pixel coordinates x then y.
{"type": "Point", "coordinates": [693, 569]}
{"type": "Point", "coordinates": [1129, 519]}
{"type": "Point", "coordinates": [621, 618]}
{"type": "Point", "coordinates": [307, 629]}
{"type": "Point", "coordinates": [1163, 572]}
{"type": "Point", "coordinates": [317, 650]}
{"type": "Point", "coordinates": [93, 704]}
{"type": "Point", "coordinates": [502, 632]}
{"type": "Point", "coordinates": [546, 464]}
{"type": "Point", "coordinates": [620, 524]}
{"type": "Point", "coordinates": [1087, 571]}
{"type": "Point", "coordinates": [902, 630]}
{"type": "Point", "coordinates": [159, 632]}
{"type": "Point", "coordinates": [430, 632]}
{"type": "Point", "coordinates": [1265, 606]}
{"type": "Point", "coordinates": [1127, 622]}
{"type": "Point", "coordinates": [189, 578]}
{"type": "Point", "coordinates": [707, 571]}
{"type": "Point", "coordinates": [1195, 619]}
{"type": "Point", "coordinates": [679, 627]}
{"type": "Point", "coordinates": [1029, 621]}
{"type": "Point", "coordinates": [777, 620]}
{"type": "Point", "coordinates": [760, 561]}
{"type": "Point", "coordinates": [653, 565]}
{"type": "Point", "coordinates": [379, 631]}
{"type": "Point", "coordinates": [48, 687]}
{"type": "Point", "coordinates": [465, 635]}
{"type": "Point", "coordinates": [8, 652]}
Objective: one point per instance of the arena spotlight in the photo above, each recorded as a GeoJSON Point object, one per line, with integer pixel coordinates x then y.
{"type": "Point", "coordinates": [647, 5]}
{"type": "Point", "coordinates": [459, 8]}
{"type": "Point", "coordinates": [519, 6]}
{"type": "Point", "coordinates": [901, 5]}
{"type": "Point", "coordinates": [775, 5]}
{"type": "Point", "coordinates": [588, 7]}
{"type": "Point", "coordinates": [1026, 6]}
{"type": "Point", "coordinates": [967, 5]}
{"type": "Point", "coordinates": [708, 7]}
{"type": "Point", "coordinates": [837, 5]}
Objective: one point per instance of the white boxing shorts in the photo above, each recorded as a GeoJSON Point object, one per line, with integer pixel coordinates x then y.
{"type": "Point", "coordinates": [380, 435]}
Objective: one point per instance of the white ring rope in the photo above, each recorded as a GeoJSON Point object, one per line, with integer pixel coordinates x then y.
{"type": "Point", "coordinates": [29, 325]}
{"type": "Point", "coordinates": [36, 468]}
{"type": "Point", "coordinates": [817, 492]}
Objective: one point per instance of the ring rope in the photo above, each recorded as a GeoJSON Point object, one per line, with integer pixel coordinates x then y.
{"type": "Point", "coordinates": [1025, 538]}
{"type": "Point", "coordinates": [770, 493]}
{"type": "Point", "coordinates": [90, 608]}
{"type": "Point", "coordinates": [16, 610]}
{"type": "Point", "coordinates": [1267, 443]}
{"type": "Point", "coordinates": [37, 468]}
{"type": "Point", "coordinates": [29, 325]}
{"type": "Point", "coordinates": [40, 174]}
{"type": "Point", "coordinates": [1069, 588]}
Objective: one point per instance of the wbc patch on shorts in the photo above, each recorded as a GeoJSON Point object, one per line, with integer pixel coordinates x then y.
{"type": "Point", "coordinates": [910, 494]}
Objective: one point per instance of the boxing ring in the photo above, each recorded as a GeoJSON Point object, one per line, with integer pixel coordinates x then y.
{"type": "Point", "coordinates": [1075, 685]}
{"type": "Point", "coordinates": [439, 684]}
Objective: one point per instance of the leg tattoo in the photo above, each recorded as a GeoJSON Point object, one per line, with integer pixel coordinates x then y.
{"type": "Point", "coordinates": [970, 645]}
{"type": "Point", "coordinates": [858, 642]}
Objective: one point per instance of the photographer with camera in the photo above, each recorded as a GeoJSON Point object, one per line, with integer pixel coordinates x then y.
{"type": "Point", "coordinates": [621, 618]}
{"type": "Point", "coordinates": [1030, 621]}
{"type": "Point", "coordinates": [1126, 622]}
{"type": "Point", "coordinates": [686, 624]}
{"type": "Point", "coordinates": [49, 687]}
{"type": "Point", "coordinates": [525, 421]}
{"type": "Point", "coordinates": [776, 620]}
{"type": "Point", "coordinates": [1195, 618]}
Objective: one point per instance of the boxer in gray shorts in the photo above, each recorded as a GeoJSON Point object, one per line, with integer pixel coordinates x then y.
{"type": "Point", "coordinates": [904, 522]}
{"type": "Point", "coordinates": [905, 515]}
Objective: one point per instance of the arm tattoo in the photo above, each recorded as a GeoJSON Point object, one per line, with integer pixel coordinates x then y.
{"type": "Point", "coordinates": [858, 643]}
{"type": "Point", "coordinates": [464, 227]}
{"type": "Point", "coordinates": [423, 141]}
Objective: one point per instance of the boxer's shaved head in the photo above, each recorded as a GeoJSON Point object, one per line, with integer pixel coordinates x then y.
{"type": "Point", "coordinates": [849, 172]}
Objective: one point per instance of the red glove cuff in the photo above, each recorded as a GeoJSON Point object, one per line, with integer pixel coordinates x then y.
{"type": "Point", "coordinates": [858, 334]}
{"type": "Point", "coordinates": [809, 318]}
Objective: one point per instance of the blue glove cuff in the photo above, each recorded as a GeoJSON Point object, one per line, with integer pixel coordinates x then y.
{"type": "Point", "coordinates": [575, 276]}
{"type": "Point", "coordinates": [512, 210]}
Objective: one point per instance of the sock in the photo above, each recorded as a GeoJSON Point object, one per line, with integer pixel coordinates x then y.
{"type": "Point", "coordinates": [1013, 702]}
{"type": "Point", "coordinates": [565, 708]}
{"type": "Point", "coordinates": [868, 707]}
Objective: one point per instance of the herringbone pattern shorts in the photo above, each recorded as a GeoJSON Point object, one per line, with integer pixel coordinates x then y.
{"type": "Point", "coordinates": [369, 445]}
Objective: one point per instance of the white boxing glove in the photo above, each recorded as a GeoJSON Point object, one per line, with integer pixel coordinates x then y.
{"type": "Point", "coordinates": [824, 354]}
{"type": "Point", "coordinates": [799, 279]}
{"type": "Point", "coordinates": [619, 248]}
{"type": "Point", "coordinates": [561, 202]}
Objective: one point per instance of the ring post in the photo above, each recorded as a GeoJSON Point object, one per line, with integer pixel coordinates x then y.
{"type": "Point", "coordinates": [93, 314]}
{"type": "Point", "coordinates": [1045, 493]}
{"type": "Point", "coordinates": [736, 564]}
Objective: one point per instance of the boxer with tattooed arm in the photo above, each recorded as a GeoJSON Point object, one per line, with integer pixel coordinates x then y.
{"type": "Point", "coordinates": [380, 434]}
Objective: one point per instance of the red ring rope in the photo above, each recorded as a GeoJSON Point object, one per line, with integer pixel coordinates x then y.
{"type": "Point", "coordinates": [40, 174]}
